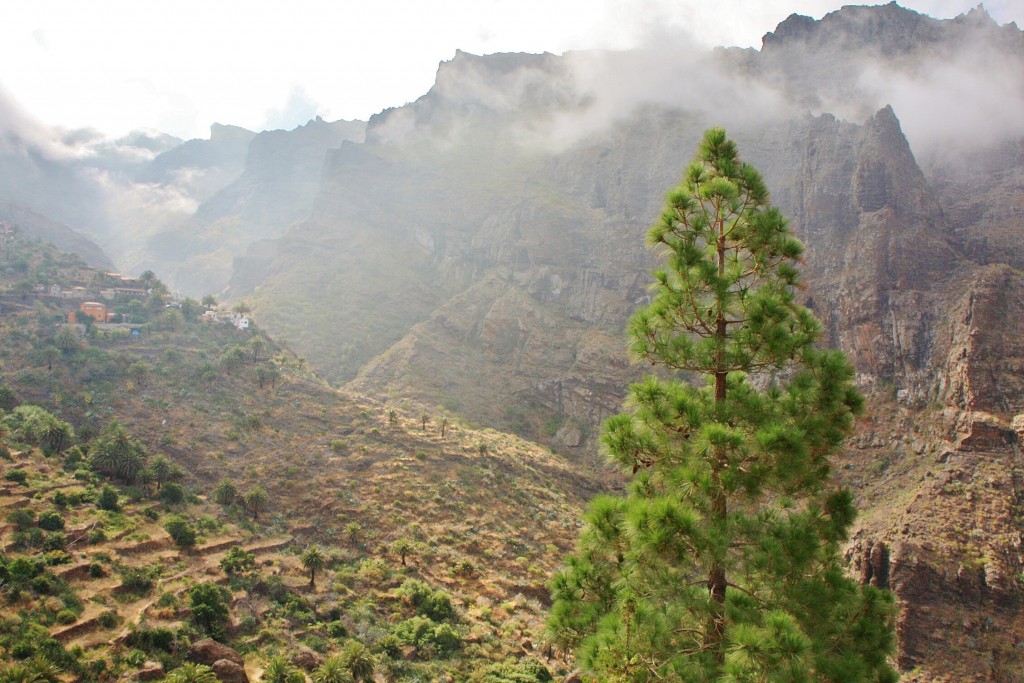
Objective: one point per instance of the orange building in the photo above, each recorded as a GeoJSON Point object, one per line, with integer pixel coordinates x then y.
{"type": "Point", "coordinates": [94, 310]}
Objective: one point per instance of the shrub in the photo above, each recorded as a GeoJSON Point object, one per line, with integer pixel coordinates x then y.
{"type": "Point", "coordinates": [66, 616]}
{"type": "Point", "coordinates": [56, 540]}
{"type": "Point", "coordinates": [181, 531]}
{"type": "Point", "coordinates": [150, 639]}
{"type": "Point", "coordinates": [138, 580]}
{"type": "Point", "coordinates": [108, 619]}
{"type": "Point", "coordinates": [108, 499]}
{"type": "Point", "coordinates": [51, 521]}
{"type": "Point", "coordinates": [515, 671]}
{"type": "Point", "coordinates": [427, 635]}
{"type": "Point", "coordinates": [22, 518]}
{"type": "Point", "coordinates": [17, 476]}
{"type": "Point", "coordinates": [172, 493]}
{"type": "Point", "coordinates": [433, 604]}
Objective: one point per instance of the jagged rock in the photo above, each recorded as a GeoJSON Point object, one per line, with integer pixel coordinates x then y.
{"type": "Point", "coordinates": [230, 672]}
{"type": "Point", "coordinates": [207, 651]}
{"type": "Point", "coordinates": [570, 435]}
{"type": "Point", "coordinates": [988, 436]}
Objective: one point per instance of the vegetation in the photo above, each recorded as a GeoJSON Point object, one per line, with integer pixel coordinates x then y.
{"type": "Point", "coordinates": [722, 562]}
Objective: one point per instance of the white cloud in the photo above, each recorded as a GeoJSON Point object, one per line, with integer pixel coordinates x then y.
{"type": "Point", "coordinates": [180, 65]}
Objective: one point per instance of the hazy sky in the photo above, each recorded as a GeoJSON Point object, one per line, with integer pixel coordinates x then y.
{"type": "Point", "coordinates": [180, 65]}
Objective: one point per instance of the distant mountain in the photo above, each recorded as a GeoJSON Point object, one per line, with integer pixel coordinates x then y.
{"type": "Point", "coordinates": [276, 187]}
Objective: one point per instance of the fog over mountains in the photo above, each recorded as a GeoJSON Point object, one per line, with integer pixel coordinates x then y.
{"type": "Point", "coordinates": [481, 248]}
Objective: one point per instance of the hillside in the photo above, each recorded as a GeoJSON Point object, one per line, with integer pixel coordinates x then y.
{"type": "Point", "coordinates": [398, 492]}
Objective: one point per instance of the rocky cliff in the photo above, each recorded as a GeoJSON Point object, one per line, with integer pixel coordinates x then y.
{"type": "Point", "coordinates": [483, 248]}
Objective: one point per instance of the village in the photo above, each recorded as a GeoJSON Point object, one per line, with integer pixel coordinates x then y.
{"type": "Point", "coordinates": [106, 300]}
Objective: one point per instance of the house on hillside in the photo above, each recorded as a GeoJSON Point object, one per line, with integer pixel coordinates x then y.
{"type": "Point", "coordinates": [94, 310]}
{"type": "Point", "coordinates": [239, 320]}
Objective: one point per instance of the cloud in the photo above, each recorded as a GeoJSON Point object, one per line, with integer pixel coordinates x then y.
{"type": "Point", "coordinates": [297, 110]}
{"type": "Point", "coordinates": [964, 98]}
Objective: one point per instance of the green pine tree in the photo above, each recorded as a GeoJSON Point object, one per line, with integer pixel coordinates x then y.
{"type": "Point", "coordinates": [721, 562]}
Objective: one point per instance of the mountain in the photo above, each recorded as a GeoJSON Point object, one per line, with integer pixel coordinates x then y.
{"type": "Point", "coordinates": [35, 226]}
{"type": "Point", "coordinates": [483, 248]}
{"type": "Point", "coordinates": [276, 187]}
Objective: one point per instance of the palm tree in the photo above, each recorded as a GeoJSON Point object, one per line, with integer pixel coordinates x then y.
{"type": "Point", "coordinates": [333, 670]}
{"type": "Point", "coordinates": [116, 453]}
{"type": "Point", "coordinates": [255, 499]}
{"type": "Point", "coordinates": [257, 345]}
{"type": "Point", "coordinates": [277, 670]}
{"type": "Point", "coordinates": [225, 493]}
{"type": "Point", "coordinates": [36, 670]}
{"type": "Point", "coordinates": [358, 660]}
{"type": "Point", "coordinates": [162, 470]}
{"type": "Point", "coordinates": [190, 672]}
{"type": "Point", "coordinates": [402, 547]}
{"type": "Point", "coordinates": [313, 560]}
{"type": "Point", "coordinates": [67, 339]}
{"type": "Point", "coordinates": [50, 354]}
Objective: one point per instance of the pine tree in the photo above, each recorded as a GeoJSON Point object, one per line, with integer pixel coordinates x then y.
{"type": "Point", "coordinates": [721, 562]}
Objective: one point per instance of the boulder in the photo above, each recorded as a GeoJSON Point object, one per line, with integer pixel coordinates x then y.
{"type": "Point", "coordinates": [307, 659]}
{"type": "Point", "coordinates": [229, 672]}
{"type": "Point", "coordinates": [207, 651]}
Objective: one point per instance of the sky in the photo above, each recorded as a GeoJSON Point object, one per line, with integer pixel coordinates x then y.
{"type": "Point", "coordinates": [180, 65]}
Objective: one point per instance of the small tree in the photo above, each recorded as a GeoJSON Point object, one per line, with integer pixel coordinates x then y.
{"type": "Point", "coordinates": [257, 346]}
{"type": "Point", "coordinates": [209, 603]}
{"type": "Point", "coordinates": [443, 425]}
{"type": "Point", "coordinates": [313, 560]}
{"type": "Point", "coordinates": [108, 499]}
{"type": "Point", "coordinates": [255, 500]}
{"type": "Point", "coordinates": [67, 339]}
{"type": "Point", "coordinates": [722, 562]}
{"type": "Point", "coordinates": [402, 547]}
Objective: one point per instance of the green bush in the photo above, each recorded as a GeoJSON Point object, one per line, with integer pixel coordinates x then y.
{"type": "Point", "coordinates": [108, 619]}
{"type": "Point", "coordinates": [436, 605]}
{"type": "Point", "coordinates": [17, 476]}
{"type": "Point", "coordinates": [51, 521]}
{"type": "Point", "coordinates": [66, 616]}
{"type": "Point", "coordinates": [181, 531]}
{"type": "Point", "coordinates": [172, 493]}
{"type": "Point", "coordinates": [515, 671]}
{"type": "Point", "coordinates": [426, 635]}
{"type": "Point", "coordinates": [108, 499]}
{"type": "Point", "coordinates": [55, 540]}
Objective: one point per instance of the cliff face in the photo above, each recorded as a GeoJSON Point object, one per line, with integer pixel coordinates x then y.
{"type": "Point", "coordinates": [277, 179]}
{"type": "Point", "coordinates": [483, 248]}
